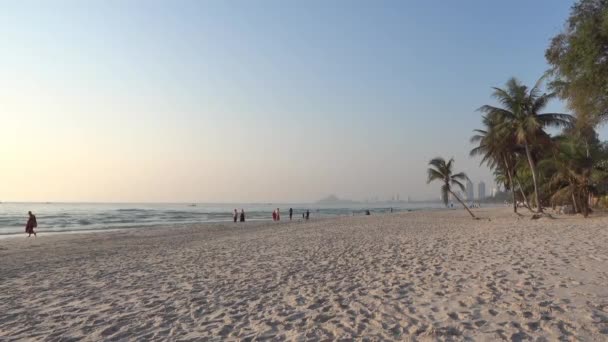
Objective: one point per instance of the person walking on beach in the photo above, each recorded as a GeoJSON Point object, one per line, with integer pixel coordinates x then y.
{"type": "Point", "coordinates": [278, 215]}
{"type": "Point", "coordinates": [307, 214]}
{"type": "Point", "coordinates": [274, 215]}
{"type": "Point", "coordinates": [242, 215]}
{"type": "Point", "coordinates": [290, 213]}
{"type": "Point", "coordinates": [31, 224]}
{"type": "Point", "coordinates": [235, 216]}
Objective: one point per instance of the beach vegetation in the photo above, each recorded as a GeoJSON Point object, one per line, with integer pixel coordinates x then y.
{"type": "Point", "coordinates": [443, 171]}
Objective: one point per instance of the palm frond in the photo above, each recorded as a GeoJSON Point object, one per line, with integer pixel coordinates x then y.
{"type": "Point", "coordinates": [448, 166]}
{"type": "Point", "coordinates": [434, 175]}
{"type": "Point", "coordinates": [477, 151]}
{"type": "Point", "coordinates": [460, 176]}
{"type": "Point", "coordinates": [555, 119]}
{"type": "Point", "coordinates": [458, 184]}
{"type": "Point", "coordinates": [495, 112]}
{"type": "Point", "coordinates": [438, 163]}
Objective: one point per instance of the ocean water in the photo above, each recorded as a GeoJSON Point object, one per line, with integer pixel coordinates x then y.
{"type": "Point", "coordinates": [73, 217]}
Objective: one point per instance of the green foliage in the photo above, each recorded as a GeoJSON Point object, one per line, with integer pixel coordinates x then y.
{"type": "Point", "coordinates": [568, 168]}
{"type": "Point", "coordinates": [443, 171]}
{"type": "Point", "coordinates": [496, 146]}
{"type": "Point", "coordinates": [579, 59]}
{"type": "Point", "coordinates": [603, 202]}
{"type": "Point", "coordinates": [572, 167]}
{"type": "Point", "coordinates": [517, 127]}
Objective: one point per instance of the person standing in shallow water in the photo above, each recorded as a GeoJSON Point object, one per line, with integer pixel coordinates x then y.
{"type": "Point", "coordinates": [242, 215]}
{"type": "Point", "coordinates": [290, 213]}
{"type": "Point", "coordinates": [278, 215]}
{"type": "Point", "coordinates": [274, 215]}
{"type": "Point", "coordinates": [307, 214]}
{"type": "Point", "coordinates": [235, 216]}
{"type": "Point", "coordinates": [31, 224]}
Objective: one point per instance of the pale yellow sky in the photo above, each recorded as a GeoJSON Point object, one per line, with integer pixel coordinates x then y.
{"type": "Point", "coordinates": [224, 102]}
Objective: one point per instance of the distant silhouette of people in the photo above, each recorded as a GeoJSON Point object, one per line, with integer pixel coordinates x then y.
{"type": "Point", "coordinates": [235, 216]}
{"type": "Point", "coordinates": [307, 214]}
{"type": "Point", "coordinates": [367, 213]}
{"type": "Point", "coordinates": [303, 215]}
{"type": "Point", "coordinates": [391, 209]}
{"type": "Point", "coordinates": [242, 215]}
{"type": "Point", "coordinates": [31, 224]}
{"type": "Point", "coordinates": [274, 215]}
{"type": "Point", "coordinates": [278, 215]}
{"type": "Point", "coordinates": [290, 213]}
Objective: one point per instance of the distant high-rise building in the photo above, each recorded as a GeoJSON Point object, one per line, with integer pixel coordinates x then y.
{"type": "Point", "coordinates": [470, 191]}
{"type": "Point", "coordinates": [481, 191]}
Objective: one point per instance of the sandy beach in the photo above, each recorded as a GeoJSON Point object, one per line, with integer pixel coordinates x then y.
{"type": "Point", "coordinates": [410, 276]}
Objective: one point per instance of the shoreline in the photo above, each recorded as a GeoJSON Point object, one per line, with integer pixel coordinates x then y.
{"type": "Point", "coordinates": [414, 275]}
{"type": "Point", "coordinates": [77, 230]}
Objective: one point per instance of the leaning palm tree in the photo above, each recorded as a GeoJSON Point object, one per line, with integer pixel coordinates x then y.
{"type": "Point", "coordinates": [443, 171]}
{"type": "Point", "coordinates": [520, 111]}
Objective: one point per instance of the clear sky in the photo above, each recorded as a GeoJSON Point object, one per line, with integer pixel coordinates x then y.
{"type": "Point", "coordinates": [231, 101]}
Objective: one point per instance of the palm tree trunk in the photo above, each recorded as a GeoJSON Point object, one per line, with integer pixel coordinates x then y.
{"type": "Point", "coordinates": [464, 205]}
{"type": "Point", "coordinates": [511, 183]}
{"type": "Point", "coordinates": [574, 204]}
{"type": "Point", "coordinates": [533, 170]}
{"type": "Point", "coordinates": [523, 194]}
{"type": "Point", "coordinates": [586, 205]}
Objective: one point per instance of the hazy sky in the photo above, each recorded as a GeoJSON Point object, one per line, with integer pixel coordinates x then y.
{"type": "Point", "coordinates": [230, 101]}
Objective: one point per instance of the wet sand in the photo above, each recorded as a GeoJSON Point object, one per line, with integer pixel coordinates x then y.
{"type": "Point", "coordinates": [434, 275]}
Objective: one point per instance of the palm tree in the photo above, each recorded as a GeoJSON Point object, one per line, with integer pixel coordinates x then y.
{"type": "Point", "coordinates": [522, 178]}
{"type": "Point", "coordinates": [442, 171]}
{"type": "Point", "coordinates": [574, 171]}
{"type": "Point", "coordinates": [521, 115]}
{"type": "Point", "coordinates": [497, 149]}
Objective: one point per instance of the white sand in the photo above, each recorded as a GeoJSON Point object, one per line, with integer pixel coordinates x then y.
{"type": "Point", "coordinates": [419, 276]}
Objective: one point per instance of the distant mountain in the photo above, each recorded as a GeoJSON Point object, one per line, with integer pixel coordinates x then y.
{"type": "Point", "coordinates": [333, 199]}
